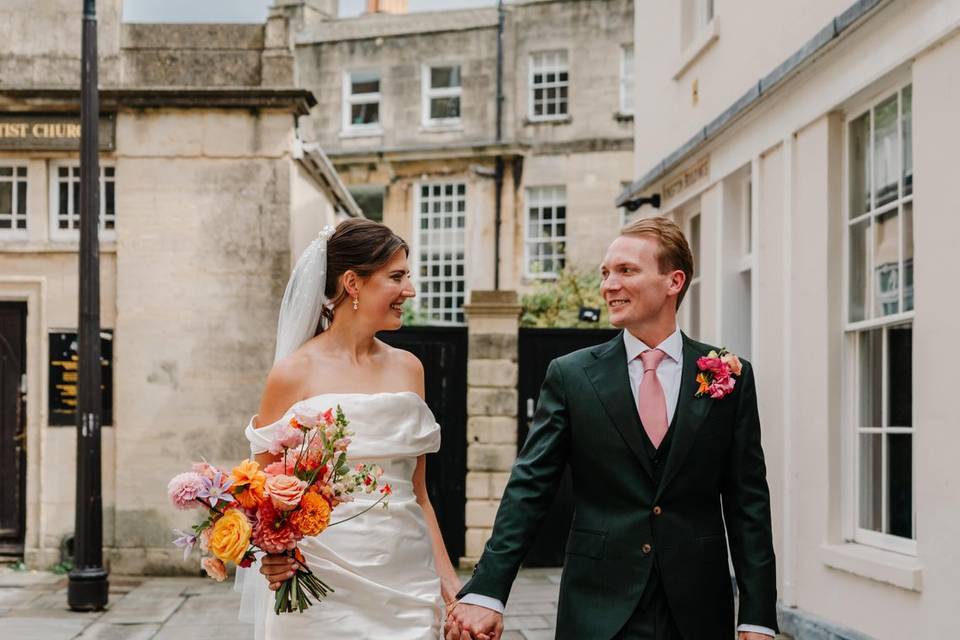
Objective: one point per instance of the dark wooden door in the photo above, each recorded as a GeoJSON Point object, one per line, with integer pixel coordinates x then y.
{"type": "Point", "coordinates": [537, 348]}
{"type": "Point", "coordinates": [443, 352]}
{"type": "Point", "coordinates": [13, 450]}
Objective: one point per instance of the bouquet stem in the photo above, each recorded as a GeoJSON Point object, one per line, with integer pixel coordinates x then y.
{"type": "Point", "coordinates": [294, 594]}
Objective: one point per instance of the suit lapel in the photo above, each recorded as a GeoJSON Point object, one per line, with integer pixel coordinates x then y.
{"type": "Point", "coordinates": [691, 412]}
{"type": "Point", "coordinates": [611, 382]}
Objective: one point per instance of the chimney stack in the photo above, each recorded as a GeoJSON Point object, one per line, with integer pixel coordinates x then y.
{"type": "Point", "coordinates": [399, 7]}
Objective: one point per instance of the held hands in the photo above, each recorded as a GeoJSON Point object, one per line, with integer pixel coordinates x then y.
{"type": "Point", "coordinates": [277, 567]}
{"type": "Point", "coordinates": [472, 622]}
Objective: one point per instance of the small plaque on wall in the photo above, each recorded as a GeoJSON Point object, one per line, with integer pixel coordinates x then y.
{"type": "Point", "coordinates": [64, 374]}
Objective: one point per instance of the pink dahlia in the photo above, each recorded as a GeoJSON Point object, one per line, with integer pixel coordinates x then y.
{"type": "Point", "coordinates": [183, 490]}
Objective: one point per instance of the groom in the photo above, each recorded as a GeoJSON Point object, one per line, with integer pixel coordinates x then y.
{"type": "Point", "coordinates": [664, 477]}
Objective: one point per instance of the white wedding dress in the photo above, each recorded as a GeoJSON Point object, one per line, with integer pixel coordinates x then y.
{"type": "Point", "coordinates": [379, 564]}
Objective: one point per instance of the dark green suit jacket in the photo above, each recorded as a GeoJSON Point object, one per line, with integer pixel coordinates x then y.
{"type": "Point", "coordinates": [714, 474]}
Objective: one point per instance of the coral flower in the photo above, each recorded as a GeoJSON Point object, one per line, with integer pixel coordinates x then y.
{"type": "Point", "coordinates": [272, 532]}
{"type": "Point", "coordinates": [214, 568]}
{"type": "Point", "coordinates": [285, 491]}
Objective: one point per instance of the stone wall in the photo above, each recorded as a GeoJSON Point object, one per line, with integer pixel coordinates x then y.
{"type": "Point", "coordinates": [492, 318]}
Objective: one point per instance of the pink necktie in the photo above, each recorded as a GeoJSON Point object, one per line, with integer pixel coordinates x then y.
{"type": "Point", "coordinates": [651, 402]}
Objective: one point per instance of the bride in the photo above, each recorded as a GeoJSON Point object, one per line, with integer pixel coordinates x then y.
{"type": "Point", "coordinates": [389, 567]}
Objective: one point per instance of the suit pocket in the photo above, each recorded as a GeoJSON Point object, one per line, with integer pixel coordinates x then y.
{"type": "Point", "coordinates": [586, 543]}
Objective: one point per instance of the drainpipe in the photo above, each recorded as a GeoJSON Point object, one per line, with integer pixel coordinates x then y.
{"type": "Point", "coordinates": [498, 177]}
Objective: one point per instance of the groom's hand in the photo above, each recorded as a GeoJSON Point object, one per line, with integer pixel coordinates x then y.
{"type": "Point", "coordinates": [470, 622]}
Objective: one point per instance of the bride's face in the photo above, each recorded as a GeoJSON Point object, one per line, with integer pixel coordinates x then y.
{"type": "Point", "coordinates": [383, 293]}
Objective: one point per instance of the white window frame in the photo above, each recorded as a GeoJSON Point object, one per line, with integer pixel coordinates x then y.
{"type": "Point", "coordinates": [13, 233]}
{"type": "Point", "coordinates": [422, 301]}
{"type": "Point", "coordinates": [850, 522]}
{"type": "Point", "coordinates": [558, 242]}
{"type": "Point", "coordinates": [563, 66]}
{"type": "Point", "coordinates": [428, 94]}
{"type": "Point", "coordinates": [697, 278]}
{"type": "Point", "coordinates": [627, 63]}
{"type": "Point", "coordinates": [73, 234]}
{"type": "Point", "coordinates": [350, 99]}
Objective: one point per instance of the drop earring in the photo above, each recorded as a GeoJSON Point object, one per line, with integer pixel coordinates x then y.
{"type": "Point", "coordinates": [356, 302]}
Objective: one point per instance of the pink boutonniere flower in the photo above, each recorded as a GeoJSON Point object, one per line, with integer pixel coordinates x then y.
{"type": "Point", "coordinates": [717, 373]}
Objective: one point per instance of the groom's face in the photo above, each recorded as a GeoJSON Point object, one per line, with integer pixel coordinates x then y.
{"type": "Point", "coordinates": [635, 291]}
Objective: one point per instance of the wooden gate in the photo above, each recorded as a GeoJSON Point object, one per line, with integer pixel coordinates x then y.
{"type": "Point", "coordinates": [443, 352]}
{"type": "Point", "coordinates": [537, 347]}
{"type": "Point", "coordinates": [13, 450]}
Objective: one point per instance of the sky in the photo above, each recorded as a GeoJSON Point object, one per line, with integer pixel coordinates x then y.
{"type": "Point", "coordinates": [253, 10]}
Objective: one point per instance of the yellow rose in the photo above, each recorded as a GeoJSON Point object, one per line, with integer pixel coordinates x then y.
{"type": "Point", "coordinates": [231, 536]}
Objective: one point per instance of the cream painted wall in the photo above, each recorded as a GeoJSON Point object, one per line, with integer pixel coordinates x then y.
{"type": "Point", "coordinates": [793, 147]}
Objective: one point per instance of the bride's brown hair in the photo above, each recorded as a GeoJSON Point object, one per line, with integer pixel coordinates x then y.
{"type": "Point", "coordinates": [361, 246]}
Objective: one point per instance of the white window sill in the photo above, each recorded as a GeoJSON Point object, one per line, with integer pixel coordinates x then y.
{"type": "Point", "coordinates": [623, 116]}
{"type": "Point", "coordinates": [876, 564]}
{"type": "Point", "coordinates": [361, 133]}
{"type": "Point", "coordinates": [564, 119]}
{"type": "Point", "coordinates": [52, 246]}
{"type": "Point", "coordinates": [698, 46]}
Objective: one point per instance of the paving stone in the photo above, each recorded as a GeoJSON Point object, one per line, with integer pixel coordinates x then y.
{"type": "Point", "coordinates": [41, 628]}
{"type": "Point", "coordinates": [538, 634]}
{"type": "Point", "coordinates": [142, 610]}
{"type": "Point", "coordinates": [522, 623]}
{"type": "Point", "coordinates": [531, 608]}
{"type": "Point", "coordinates": [10, 578]}
{"type": "Point", "coordinates": [238, 631]}
{"type": "Point", "coordinates": [105, 631]}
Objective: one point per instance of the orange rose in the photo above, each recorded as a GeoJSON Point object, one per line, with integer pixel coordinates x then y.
{"type": "Point", "coordinates": [231, 536]}
{"type": "Point", "coordinates": [248, 482]}
{"type": "Point", "coordinates": [313, 516]}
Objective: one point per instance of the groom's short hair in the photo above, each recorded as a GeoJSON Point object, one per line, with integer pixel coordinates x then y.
{"type": "Point", "coordinates": [675, 254]}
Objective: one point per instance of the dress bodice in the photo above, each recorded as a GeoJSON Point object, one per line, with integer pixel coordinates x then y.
{"type": "Point", "coordinates": [389, 429]}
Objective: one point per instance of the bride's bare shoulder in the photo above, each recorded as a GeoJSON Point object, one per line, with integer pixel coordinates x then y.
{"type": "Point", "coordinates": [283, 387]}
{"type": "Point", "coordinates": [407, 365]}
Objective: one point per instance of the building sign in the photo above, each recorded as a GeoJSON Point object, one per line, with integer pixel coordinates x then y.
{"type": "Point", "coordinates": [63, 377]}
{"type": "Point", "coordinates": [687, 179]}
{"type": "Point", "coordinates": [49, 132]}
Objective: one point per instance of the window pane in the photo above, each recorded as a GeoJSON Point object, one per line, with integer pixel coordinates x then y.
{"type": "Point", "coordinates": [364, 82]}
{"type": "Point", "coordinates": [907, 127]}
{"type": "Point", "coordinates": [871, 481]}
{"type": "Point", "coordinates": [870, 380]}
{"type": "Point", "coordinates": [886, 264]}
{"type": "Point", "coordinates": [22, 198]}
{"type": "Point", "coordinates": [859, 165]}
{"type": "Point", "coordinates": [109, 207]}
{"type": "Point", "coordinates": [63, 196]}
{"type": "Point", "coordinates": [859, 255]}
{"type": "Point", "coordinates": [22, 172]}
{"type": "Point", "coordinates": [886, 152]}
{"type": "Point", "coordinates": [900, 376]}
{"type": "Point", "coordinates": [6, 171]}
{"type": "Point", "coordinates": [370, 201]}
{"type": "Point", "coordinates": [444, 108]}
{"type": "Point", "coordinates": [900, 485]}
{"type": "Point", "coordinates": [695, 244]}
{"type": "Point", "coordinates": [908, 256]}
{"type": "Point", "coordinates": [6, 198]}
{"type": "Point", "coordinates": [365, 113]}
{"type": "Point", "coordinates": [444, 77]}
{"type": "Point", "coordinates": [693, 295]}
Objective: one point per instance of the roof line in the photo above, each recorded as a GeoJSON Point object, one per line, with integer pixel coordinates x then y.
{"type": "Point", "coordinates": [839, 27]}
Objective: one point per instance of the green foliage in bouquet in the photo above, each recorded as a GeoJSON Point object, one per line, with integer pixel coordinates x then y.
{"type": "Point", "coordinates": [556, 303]}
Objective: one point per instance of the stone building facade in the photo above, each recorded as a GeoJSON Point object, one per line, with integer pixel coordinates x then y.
{"type": "Point", "coordinates": [211, 189]}
{"type": "Point", "coordinates": [408, 114]}
{"type": "Point", "coordinates": [786, 141]}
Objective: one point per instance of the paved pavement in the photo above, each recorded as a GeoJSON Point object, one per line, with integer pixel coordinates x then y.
{"type": "Point", "coordinates": [33, 606]}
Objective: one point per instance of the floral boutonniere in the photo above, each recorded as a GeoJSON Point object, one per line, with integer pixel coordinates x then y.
{"type": "Point", "coordinates": [717, 373]}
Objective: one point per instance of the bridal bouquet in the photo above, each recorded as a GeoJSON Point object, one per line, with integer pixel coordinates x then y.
{"type": "Point", "coordinates": [251, 509]}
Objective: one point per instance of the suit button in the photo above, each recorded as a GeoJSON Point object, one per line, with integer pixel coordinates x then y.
{"type": "Point", "coordinates": [646, 548]}
{"type": "Point", "coordinates": [657, 510]}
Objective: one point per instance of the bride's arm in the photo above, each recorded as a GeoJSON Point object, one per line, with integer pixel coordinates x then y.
{"type": "Point", "coordinates": [280, 392]}
{"type": "Point", "coordinates": [449, 581]}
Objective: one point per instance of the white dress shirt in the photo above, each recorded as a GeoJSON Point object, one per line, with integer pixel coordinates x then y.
{"type": "Point", "coordinates": [669, 372]}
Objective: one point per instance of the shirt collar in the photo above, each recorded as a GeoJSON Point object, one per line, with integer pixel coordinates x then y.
{"type": "Point", "coordinates": [672, 346]}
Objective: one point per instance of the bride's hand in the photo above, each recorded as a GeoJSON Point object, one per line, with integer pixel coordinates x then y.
{"type": "Point", "coordinates": [277, 567]}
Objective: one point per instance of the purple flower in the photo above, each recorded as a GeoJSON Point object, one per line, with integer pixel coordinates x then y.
{"type": "Point", "coordinates": [216, 489]}
{"type": "Point", "coordinates": [186, 541]}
